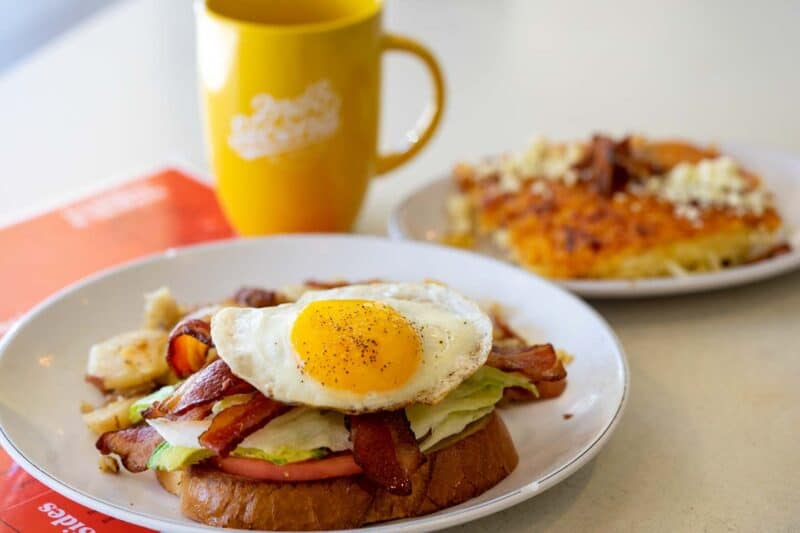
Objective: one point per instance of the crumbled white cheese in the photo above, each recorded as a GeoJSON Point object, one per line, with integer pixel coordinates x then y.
{"type": "Point", "coordinates": [707, 184]}
{"type": "Point", "coordinates": [539, 188]}
{"type": "Point", "coordinates": [541, 159]}
{"type": "Point", "coordinates": [510, 182]}
{"type": "Point", "coordinates": [689, 212]}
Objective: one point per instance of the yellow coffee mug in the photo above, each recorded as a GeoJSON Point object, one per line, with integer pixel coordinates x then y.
{"type": "Point", "coordinates": [291, 92]}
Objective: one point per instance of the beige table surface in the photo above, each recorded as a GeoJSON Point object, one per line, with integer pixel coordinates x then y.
{"type": "Point", "coordinates": [711, 437]}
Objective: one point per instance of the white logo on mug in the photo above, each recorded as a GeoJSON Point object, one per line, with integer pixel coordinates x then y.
{"type": "Point", "coordinates": [278, 126]}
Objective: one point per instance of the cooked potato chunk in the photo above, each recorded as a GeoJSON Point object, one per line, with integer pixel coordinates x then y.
{"type": "Point", "coordinates": [108, 464]}
{"type": "Point", "coordinates": [161, 311]}
{"type": "Point", "coordinates": [111, 416]}
{"type": "Point", "coordinates": [128, 360]}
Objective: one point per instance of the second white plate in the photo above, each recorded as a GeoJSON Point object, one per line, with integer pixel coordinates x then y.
{"type": "Point", "coordinates": [422, 217]}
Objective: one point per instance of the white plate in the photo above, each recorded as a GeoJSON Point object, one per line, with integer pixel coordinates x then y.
{"type": "Point", "coordinates": [42, 362]}
{"type": "Point", "coordinates": [422, 217]}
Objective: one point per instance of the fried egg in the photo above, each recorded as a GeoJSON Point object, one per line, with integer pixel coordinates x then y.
{"type": "Point", "coordinates": [359, 348]}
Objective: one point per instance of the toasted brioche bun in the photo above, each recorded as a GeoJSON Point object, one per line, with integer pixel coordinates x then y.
{"type": "Point", "coordinates": [456, 471]}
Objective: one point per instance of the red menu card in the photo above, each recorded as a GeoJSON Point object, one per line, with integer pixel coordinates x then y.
{"type": "Point", "coordinates": [143, 216]}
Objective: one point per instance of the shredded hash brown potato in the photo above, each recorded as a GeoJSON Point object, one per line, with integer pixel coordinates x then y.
{"type": "Point", "coordinates": [606, 209]}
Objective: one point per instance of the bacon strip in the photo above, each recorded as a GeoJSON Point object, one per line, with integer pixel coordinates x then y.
{"type": "Point", "coordinates": [134, 445]}
{"type": "Point", "coordinates": [538, 362]}
{"type": "Point", "coordinates": [385, 447]}
{"type": "Point", "coordinates": [188, 345]}
{"type": "Point", "coordinates": [97, 382]}
{"type": "Point", "coordinates": [232, 425]}
{"type": "Point", "coordinates": [546, 389]}
{"type": "Point", "coordinates": [257, 297]}
{"type": "Point", "coordinates": [192, 401]}
{"type": "Point", "coordinates": [609, 166]}
{"type": "Point", "coordinates": [550, 389]}
{"type": "Point", "coordinates": [501, 330]}
{"type": "Point", "coordinates": [201, 390]}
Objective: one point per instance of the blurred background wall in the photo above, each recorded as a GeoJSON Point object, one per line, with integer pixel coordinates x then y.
{"type": "Point", "coordinates": [118, 92]}
{"type": "Point", "coordinates": [27, 24]}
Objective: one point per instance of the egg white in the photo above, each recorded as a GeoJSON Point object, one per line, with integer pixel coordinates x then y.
{"type": "Point", "coordinates": [455, 335]}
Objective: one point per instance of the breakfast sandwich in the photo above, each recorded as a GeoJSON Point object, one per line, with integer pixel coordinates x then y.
{"type": "Point", "coordinates": [632, 208]}
{"type": "Point", "coordinates": [327, 407]}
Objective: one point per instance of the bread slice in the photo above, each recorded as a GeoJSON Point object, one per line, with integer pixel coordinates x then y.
{"type": "Point", "coordinates": [455, 472]}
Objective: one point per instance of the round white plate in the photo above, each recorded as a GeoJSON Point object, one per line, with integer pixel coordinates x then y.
{"type": "Point", "coordinates": [422, 217]}
{"type": "Point", "coordinates": [42, 362]}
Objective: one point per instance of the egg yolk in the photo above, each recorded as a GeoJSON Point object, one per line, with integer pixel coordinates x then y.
{"type": "Point", "coordinates": [359, 346]}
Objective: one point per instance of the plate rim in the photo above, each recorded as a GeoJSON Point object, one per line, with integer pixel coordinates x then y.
{"type": "Point", "coordinates": [739, 275]}
{"type": "Point", "coordinates": [428, 522]}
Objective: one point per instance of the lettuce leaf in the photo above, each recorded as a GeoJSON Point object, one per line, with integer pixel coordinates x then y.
{"type": "Point", "coordinates": [471, 400]}
{"type": "Point", "coordinates": [168, 457]}
{"type": "Point", "coordinates": [489, 375]}
{"type": "Point", "coordinates": [135, 410]}
{"type": "Point", "coordinates": [453, 424]}
{"type": "Point", "coordinates": [280, 456]}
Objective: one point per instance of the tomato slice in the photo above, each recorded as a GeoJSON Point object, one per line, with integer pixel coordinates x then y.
{"type": "Point", "coordinates": [329, 467]}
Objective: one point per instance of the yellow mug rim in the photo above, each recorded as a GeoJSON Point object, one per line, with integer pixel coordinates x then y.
{"type": "Point", "coordinates": [312, 27]}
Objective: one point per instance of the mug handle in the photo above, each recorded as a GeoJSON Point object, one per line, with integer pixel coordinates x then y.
{"type": "Point", "coordinates": [419, 138]}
